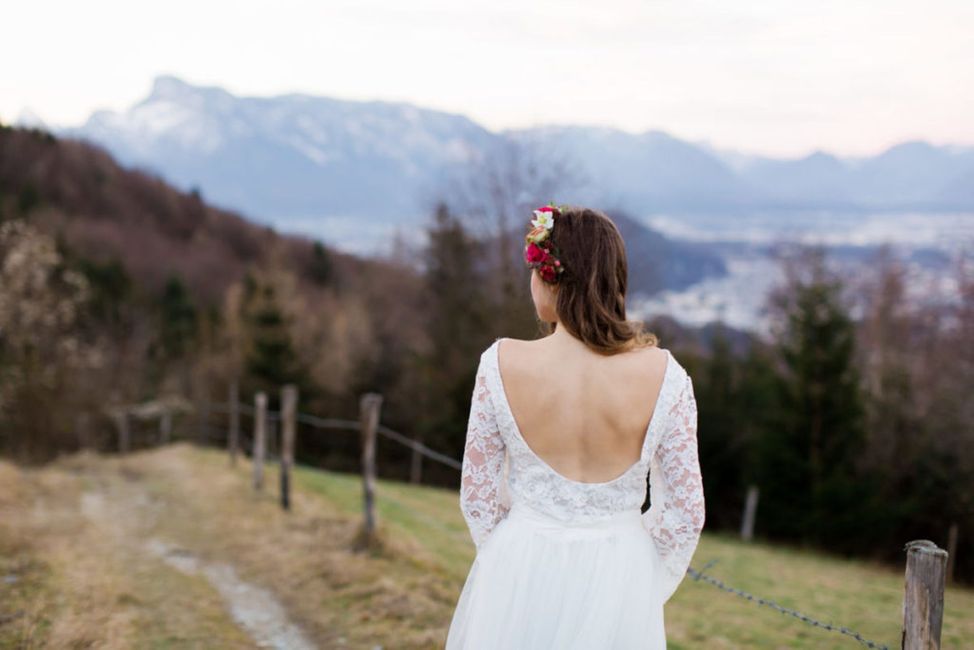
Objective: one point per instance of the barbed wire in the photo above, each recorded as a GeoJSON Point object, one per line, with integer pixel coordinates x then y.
{"type": "Point", "coordinates": [700, 575]}
{"type": "Point", "coordinates": [419, 447]}
{"type": "Point", "coordinates": [349, 425]}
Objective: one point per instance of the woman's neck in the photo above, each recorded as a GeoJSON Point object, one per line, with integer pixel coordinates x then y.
{"type": "Point", "coordinates": [562, 340]}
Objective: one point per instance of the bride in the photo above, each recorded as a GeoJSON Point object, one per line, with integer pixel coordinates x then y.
{"type": "Point", "coordinates": [563, 432]}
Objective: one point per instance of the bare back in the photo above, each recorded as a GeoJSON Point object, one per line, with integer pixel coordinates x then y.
{"type": "Point", "coordinates": [583, 413]}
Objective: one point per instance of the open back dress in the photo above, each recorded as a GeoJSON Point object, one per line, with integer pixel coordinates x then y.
{"type": "Point", "coordinates": [570, 565]}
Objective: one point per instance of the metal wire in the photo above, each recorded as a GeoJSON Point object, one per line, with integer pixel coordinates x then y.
{"type": "Point", "coordinates": [699, 575]}
{"type": "Point", "coordinates": [353, 425]}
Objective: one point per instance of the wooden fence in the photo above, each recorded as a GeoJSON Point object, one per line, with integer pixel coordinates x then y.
{"type": "Point", "coordinates": [928, 567]}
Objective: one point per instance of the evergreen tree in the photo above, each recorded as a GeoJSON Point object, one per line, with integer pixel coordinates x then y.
{"type": "Point", "coordinates": [810, 464]}
{"type": "Point", "coordinates": [271, 360]}
{"type": "Point", "coordinates": [720, 443]}
{"type": "Point", "coordinates": [457, 324]}
{"type": "Point", "coordinates": [321, 265]}
{"type": "Point", "coordinates": [177, 322]}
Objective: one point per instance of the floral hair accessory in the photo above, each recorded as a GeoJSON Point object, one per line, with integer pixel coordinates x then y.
{"type": "Point", "coordinates": [539, 251]}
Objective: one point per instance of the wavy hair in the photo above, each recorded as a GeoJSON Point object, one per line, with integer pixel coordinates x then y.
{"type": "Point", "coordinates": [591, 294]}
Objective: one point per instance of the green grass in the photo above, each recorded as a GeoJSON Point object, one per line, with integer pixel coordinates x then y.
{"type": "Point", "coordinates": [83, 579]}
{"type": "Point", "coordinates": [864, 597]}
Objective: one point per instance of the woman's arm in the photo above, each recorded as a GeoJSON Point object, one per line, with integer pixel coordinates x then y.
{"type": "Point", "coordinates": [483, 464]}
{"type": "Point", "coordinates": [676, 513]}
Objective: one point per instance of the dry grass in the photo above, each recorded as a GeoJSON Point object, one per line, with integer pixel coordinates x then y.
{"type": "Point", "coordinates": [73, 536]}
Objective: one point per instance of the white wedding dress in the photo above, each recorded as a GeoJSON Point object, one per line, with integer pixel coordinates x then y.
{"type": "Point", "coordinates": [569, 565]}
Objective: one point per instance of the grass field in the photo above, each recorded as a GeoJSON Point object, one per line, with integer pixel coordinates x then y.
{"type": "Point", "coordinates": [78, 566]}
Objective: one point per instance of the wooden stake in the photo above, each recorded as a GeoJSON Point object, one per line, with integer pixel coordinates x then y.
{"type": "Point", "coordinates": [923, 598]}
{"type": "Point", "coordinates": [289, 408]}
{"type": "Point", "coordinates": [750, 509]}
{"type": "Point", "coordinates": [233, 442]}
{"type": "Point", "coordinates": [369, 406]}
{"type": "Point", "coordinates": [81, 429]}
{"type": "Point", "coordinates": [951, 551]}
{"type": "Point", "coordinates": [260, 433]}
{"type": "Point", "coordinates": [165, 427]}
{"type": "Point", "coordinates": [124, 437]}
{"type": "Point", "coordinates": [416, 466]}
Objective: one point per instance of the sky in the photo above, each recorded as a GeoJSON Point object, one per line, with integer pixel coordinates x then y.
{"type": "Point", "coordinates": [773, 77]}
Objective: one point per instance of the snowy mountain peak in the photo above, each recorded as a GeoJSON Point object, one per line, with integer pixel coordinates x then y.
{"type": "Point", "coordinates": [301, 157]}
{"type": "Point", "coordinates": [171, 88]}
{"type": "Point", "coordinates": [31, 120]}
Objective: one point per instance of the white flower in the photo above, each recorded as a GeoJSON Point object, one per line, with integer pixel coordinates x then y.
{"type": "Point", "coordinates": [545, 219]}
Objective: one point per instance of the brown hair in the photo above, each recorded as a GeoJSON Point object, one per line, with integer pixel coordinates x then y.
{"type": "Point", "coordinates": [591, 294]}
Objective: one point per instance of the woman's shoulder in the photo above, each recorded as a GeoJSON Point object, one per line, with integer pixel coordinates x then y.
{"type": "Point", "coordinates": [517, 352]}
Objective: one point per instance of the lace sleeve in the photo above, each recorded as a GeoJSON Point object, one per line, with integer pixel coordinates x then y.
{"type": "Point", "coordinates": [481, 495]}
{"type": "Point", "coordinates": [676, 513]}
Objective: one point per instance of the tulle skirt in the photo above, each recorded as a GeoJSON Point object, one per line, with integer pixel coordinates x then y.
{"type": "Point", "coordinates": [541, 584]}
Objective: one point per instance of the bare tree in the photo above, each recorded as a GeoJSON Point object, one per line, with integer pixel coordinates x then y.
{"type": "Point", "coordinates": [495, 193]}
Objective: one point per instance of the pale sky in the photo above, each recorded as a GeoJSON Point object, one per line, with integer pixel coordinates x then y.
{"type": "Point", "coordinates": [775, 77]}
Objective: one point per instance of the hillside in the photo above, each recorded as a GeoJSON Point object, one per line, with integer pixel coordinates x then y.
{"type": "Point", "coordinates": [171, 548]}
{"type": "Point", "coordinates": [105, 211]}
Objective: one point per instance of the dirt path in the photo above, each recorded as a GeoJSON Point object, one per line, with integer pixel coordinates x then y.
{"type": "Point", "coordinates": [172, 549]}
{"type": "Point", "coordinates": [253, 608]}
{"type": "Point", "coordinates": [88, 585]}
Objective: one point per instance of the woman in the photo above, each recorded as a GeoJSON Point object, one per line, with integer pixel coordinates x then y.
{"type": "Point", "coordinates": [562, 434]}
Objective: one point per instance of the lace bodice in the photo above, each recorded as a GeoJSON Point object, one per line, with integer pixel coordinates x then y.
{"type": "Point", "coordinates": [499, 467]}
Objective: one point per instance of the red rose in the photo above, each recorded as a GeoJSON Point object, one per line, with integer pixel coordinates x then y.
{"type": "Point", "coordinates": [548, 273]}
{"type": "Point", "coordinates": [534, 254]}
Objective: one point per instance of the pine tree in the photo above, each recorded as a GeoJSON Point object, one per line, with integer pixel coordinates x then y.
{"type": "Point", "coordinates": [457, 324]}
{"type": "Point", "coordinates": [721, 452]}
{"type": "Point", "coordinates": [810, 464]}
{"type": "Point", "coordinates": [321, 265]}
{"type": "Point", "coordinates": [271, 360]}
{"type": "Point", "coordinates": [177, 321]}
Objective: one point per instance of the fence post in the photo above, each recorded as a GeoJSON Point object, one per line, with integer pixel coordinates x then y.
{"type": "Point", "coordinates": [122, 422]}
{"type": "Point", "coordinates": [416, 466]}
{"type": "Point", "coordinates": [81, 429]}
{"type": "Point", "coordinates": [165, 427]}
{"type": "Point", "coordinates": [199, 418]}
{"type": "Point", "coordinates": [260, 433]}
{"type": "Point", "coordinates": [233, 442]}
{"type": "Point", "coordinates": [205, 418]}
{"type": "Point", "coordinates": [923, 598]}
{"type": "Point", "coordinates": [750, 509]}
{"type": "Point", "coordinates": [951, 551]}
{"type": "Point", "coordinates": [369, 405]}
{"type": "Point", "coordinates": [289, 403]}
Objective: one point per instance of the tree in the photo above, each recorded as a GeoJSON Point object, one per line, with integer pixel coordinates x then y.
{"type": "Point", "coordinates": [321, 265]}
{"type": "Point", "coordinates": [457, 323]}
{"type": "Point", "coordinates": [721, 450]}
{"type": "Point", "coordinates": [177, 321]}
{"type": "Point", "coordinates": [496, 191]}
{"type": "Point", "coordinates": [809, 466]}
{"type": "Point", "coordinates": [45, 358]}
{"type": "Point", "coordinates": [269, 310]}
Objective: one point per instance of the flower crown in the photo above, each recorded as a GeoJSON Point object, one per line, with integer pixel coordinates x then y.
{"type": "Point", "coordinates": [539, 251]}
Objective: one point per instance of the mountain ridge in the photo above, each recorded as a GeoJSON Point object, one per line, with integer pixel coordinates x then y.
{"type": "Point", "coordinates": [300, 157]}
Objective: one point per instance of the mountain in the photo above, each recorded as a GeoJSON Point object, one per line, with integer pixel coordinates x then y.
{"type": "Point", "coordinates": [909, 176]}
{"type": "Point", "coordinates": [817, 180]}
{"type": "Point", "coordinates": [300, 159]}
{"type": "Point", "coordinates": [288, 156]}
{"type": "Point", "coordinates": [646, 172]}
